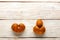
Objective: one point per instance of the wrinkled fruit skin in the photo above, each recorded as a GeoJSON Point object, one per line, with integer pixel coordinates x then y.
{"type": "Point", "coordinates": [39, 23]}
{"type": "Point", "coordinates": [18, 28]}
{"type": "Point", "coordinates": [38, 30]}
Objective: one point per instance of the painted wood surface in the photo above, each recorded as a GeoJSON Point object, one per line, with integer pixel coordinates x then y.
{"type": "Point", "coordinates": [52, 28]}
{"type": "Point", "coordinates": [30, 39]}
{"type": "Point", "coordinates": [30, 0]}
{"type": "Point", "coordinates": [28, 13]}
{"type": "Point", "coordinates": [29, 10]}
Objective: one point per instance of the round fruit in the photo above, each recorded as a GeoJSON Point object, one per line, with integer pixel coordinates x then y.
{"type": "Point", "coordinates": [38, 30]}
{"type": "Point", "coordinates": [39, 23]}
{"type": "Point", "coordinates": [18, 28]}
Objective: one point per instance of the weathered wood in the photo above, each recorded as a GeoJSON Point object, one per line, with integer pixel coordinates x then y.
{"type": "Point", "coordinates": [29, 10]}
{"type": "Point", "coordinates": [29, 38]}
{"type": "Point", "coordinates": [30, 0]}
{"type": "Point", "coordinates": [47, 9]}
{"type": "Point", "coordinates": [52, 28]}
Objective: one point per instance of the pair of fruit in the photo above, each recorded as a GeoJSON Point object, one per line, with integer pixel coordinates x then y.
{"type": "Point", "coordinates": [38, 29]}
{"type": "Point", "coordinates": [18, 28]}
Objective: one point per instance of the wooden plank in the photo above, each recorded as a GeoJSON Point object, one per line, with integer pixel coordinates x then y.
{"type": "Point", "coordinates": [29, 10]}
{"type": "Point", "coordinates": [29, 0]}
{"type": "Point", "coordinates": [29, 38]}
{"type": "Point", "coordinates": [52, 28]}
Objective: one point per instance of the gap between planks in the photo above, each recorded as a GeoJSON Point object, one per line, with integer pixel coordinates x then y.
{"type": "Point", "coordinates": [29, 37]}
{"type": "Point", "coordinates": [29, 19]}
{"type": "Point", "coordinates": [33, 1]}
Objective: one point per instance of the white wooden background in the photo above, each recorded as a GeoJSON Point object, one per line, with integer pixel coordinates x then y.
{"type": "Point", "coordinates": [28, 12]}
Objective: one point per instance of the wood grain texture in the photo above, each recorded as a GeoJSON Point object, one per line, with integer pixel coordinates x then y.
{"type": "Point", "coordinates": [29, 38]}
{"type": "Point", "coordinates": [30, 0]}
{"type": "Point", "coordinates": [29, 10]}
{"type": "Point", "coordinates": [52, 28]}
{"type": "Point", "coordinates": [28, 13]}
